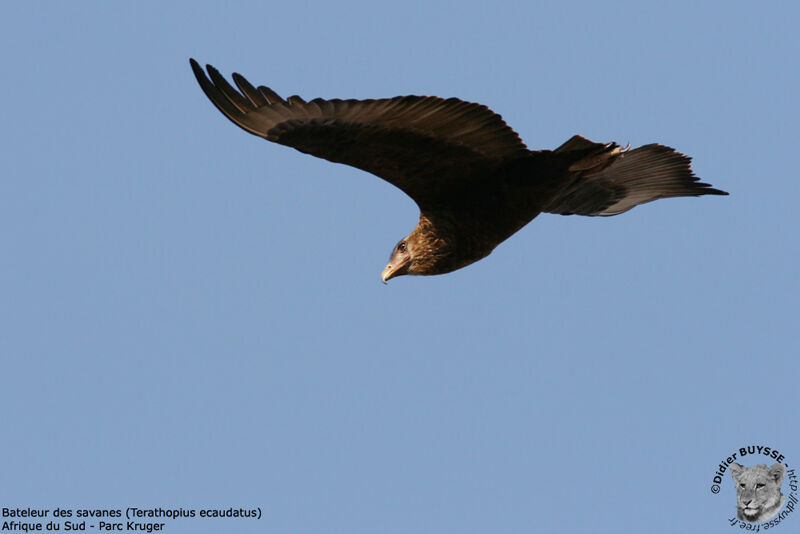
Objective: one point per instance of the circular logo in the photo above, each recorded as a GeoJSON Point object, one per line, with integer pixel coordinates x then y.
{"type": "Point", "coordinates": [758, 475]}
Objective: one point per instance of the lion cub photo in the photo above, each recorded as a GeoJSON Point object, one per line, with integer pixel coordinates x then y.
{"type": "Point", "coordinates": [758, 491]}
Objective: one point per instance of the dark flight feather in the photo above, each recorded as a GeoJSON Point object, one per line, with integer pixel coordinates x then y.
{"type": "Point", "coordinates": [404, 140]}
{"type": "Point", "coordinates": [472, 177]}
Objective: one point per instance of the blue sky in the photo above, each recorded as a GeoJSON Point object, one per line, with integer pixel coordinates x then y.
{"type": "Point", "coordinates": [193, 317]}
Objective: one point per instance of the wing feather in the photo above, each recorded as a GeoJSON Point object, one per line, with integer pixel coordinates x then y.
{"type": "Point", "coordinates": [426, 146]}
{"type": "Point", "coordinates": [253, 95]}
{"type": "Point", "coordinates": [231, 94]}
{"type": "Point", "coordinates": [271, 96]}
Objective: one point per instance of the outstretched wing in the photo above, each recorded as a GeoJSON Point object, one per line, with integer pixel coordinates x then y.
{"type": "Point", "coordinates": [608, 180]}
{"type": "Point", "coordinates": [424, 145]}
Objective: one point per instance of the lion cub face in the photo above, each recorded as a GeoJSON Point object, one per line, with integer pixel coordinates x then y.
{"type": "Point", "coordinates": [758, 491]}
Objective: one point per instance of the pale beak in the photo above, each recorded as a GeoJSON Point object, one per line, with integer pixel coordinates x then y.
{"type": "Point", "coordinates": [394, 269]}
{"type": "Point", "coordinates": [387, 273]}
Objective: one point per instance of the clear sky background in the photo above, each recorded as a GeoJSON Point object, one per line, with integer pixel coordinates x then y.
{"type": "Point", "coordinates": [192, 316]}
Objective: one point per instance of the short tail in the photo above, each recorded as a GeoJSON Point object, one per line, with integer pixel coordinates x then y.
{"type": "Point", "coordinates": [605, 179]}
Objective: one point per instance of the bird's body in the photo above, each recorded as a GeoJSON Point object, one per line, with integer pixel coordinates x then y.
{"type": "Point", "coordinates": [480, 216]}
{"type": "Point", "coordinates": [475, 182]}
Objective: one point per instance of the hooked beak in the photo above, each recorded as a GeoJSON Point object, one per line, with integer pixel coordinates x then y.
{"type": "Point", "coordinates": [393, 270]}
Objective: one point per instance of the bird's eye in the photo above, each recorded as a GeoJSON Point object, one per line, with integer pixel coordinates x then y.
{"type": "Point", "coordinates": [402, 247]}
{"type": "Point", "coordinates": [741, 486]}
{"type": "Point", "coordinates": [760, 485]}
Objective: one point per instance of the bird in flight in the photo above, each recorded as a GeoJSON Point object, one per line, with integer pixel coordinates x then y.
{"type": "Point", "coordinates": [474, 180]}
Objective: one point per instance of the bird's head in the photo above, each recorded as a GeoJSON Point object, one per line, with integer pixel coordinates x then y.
{"type": "Point", "coordinates": [426, 251]}
{"type": "Point", "coordinates": [401, 260]}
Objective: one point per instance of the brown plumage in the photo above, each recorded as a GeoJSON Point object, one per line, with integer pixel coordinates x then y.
{"type": "Point", "coordinates": [473, 179]}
